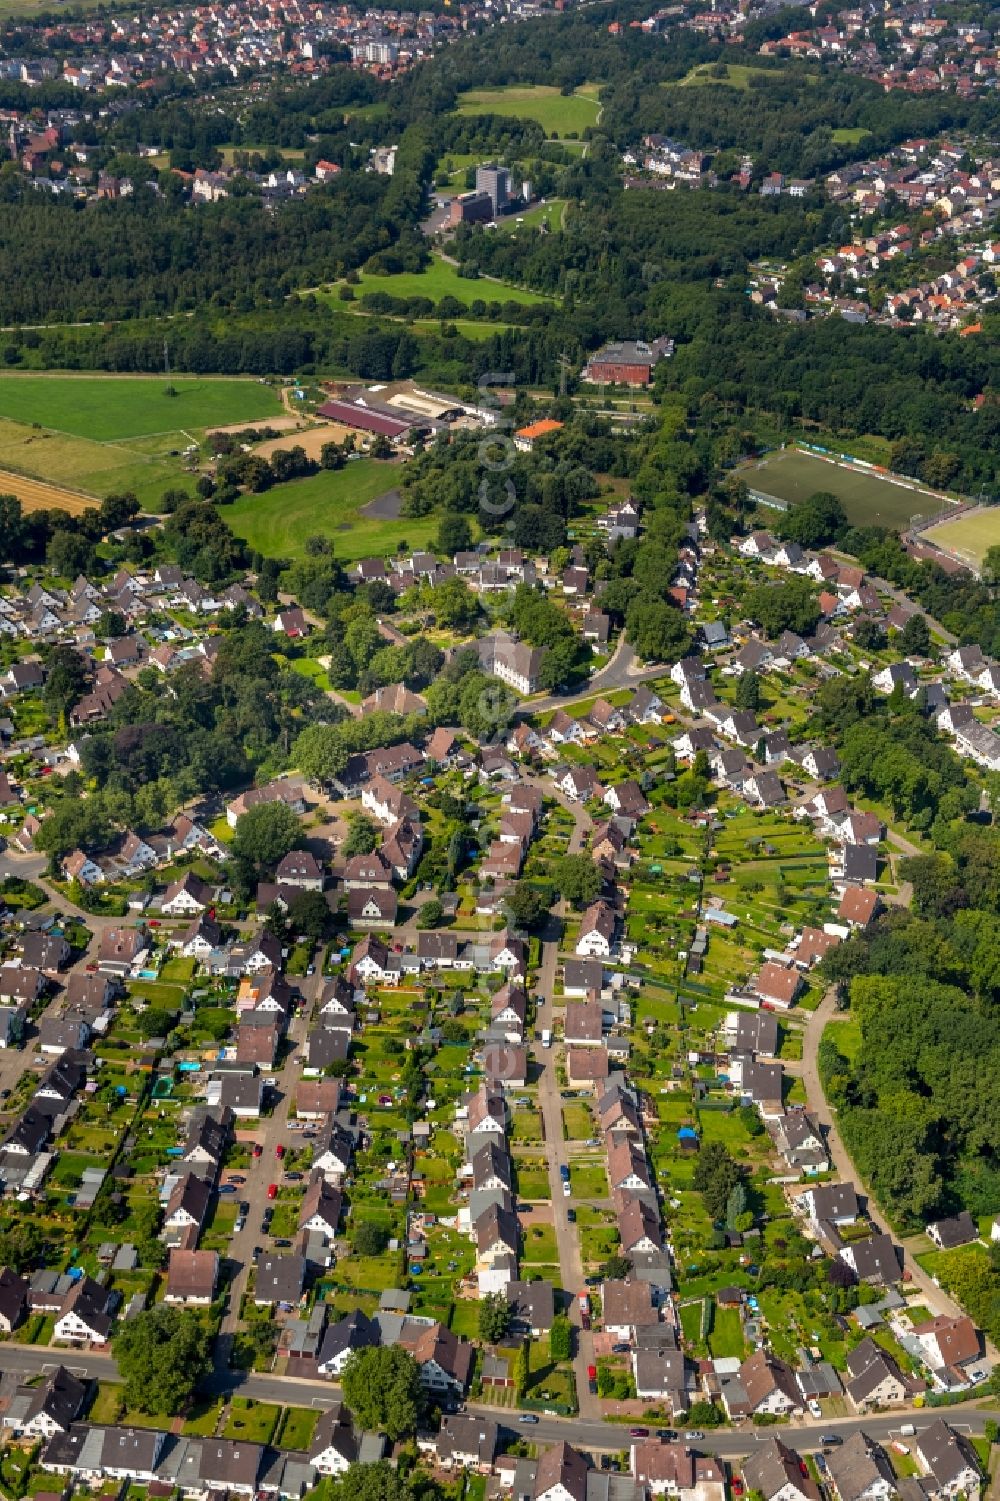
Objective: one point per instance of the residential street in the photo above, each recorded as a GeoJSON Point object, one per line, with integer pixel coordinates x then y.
{"type": "Point", "coordinates": [584, 1432]}
{"type": "Point", "coordinates": [935, 1297]}
{"type": "Point", "coordinates": [264, 1170]}
{"type": "Point", "coordinates": [556, 1149]}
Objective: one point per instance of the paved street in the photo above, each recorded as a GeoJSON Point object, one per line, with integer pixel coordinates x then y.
{"type": "Point", "coordinates": [583, 1432]}
{"type": "Point", "coordinates": [265, 1170]}
{"type": "Point", "coordinates": [935, 1297]}
{"type": "Point", "coordinates": [556, 1149]}
{"type": "Point", "coordinates": [621, 671]}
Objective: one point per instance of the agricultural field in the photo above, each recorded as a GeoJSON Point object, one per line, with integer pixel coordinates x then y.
{"type": "Point", "coordinates": [970, 536]}
{"type": "Point", "coordinates": [330, 503]}
{"type": "Point", "coordinates": [558, 114]}
{"type": "Point", "coordinates": [112, 409]}
{"type": "Point", "coordinates": [869, 500]}
{"type": "Point", "coordinates": [67, 440]}
{"type": "Point", "coordinates": [438, 280]}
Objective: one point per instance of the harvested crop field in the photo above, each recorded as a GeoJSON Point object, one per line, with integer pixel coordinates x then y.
{"type": "Point", "coordinates": [36, 495]}
{"type": "Point", "coordinates": [309, 438]}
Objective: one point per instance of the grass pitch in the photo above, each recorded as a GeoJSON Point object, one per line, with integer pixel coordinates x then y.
{"type": "Point", "coordinates": [558, 114]}
{"type": "Point", "coordinates": [971, 536]}
{"type": "Point", "coordinates": [868, 499]}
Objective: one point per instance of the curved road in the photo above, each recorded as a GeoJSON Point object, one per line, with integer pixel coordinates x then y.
{"type": "Point", "coordinates": [934, 1296]}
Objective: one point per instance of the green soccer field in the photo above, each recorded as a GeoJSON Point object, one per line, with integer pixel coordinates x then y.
{"type": "Point", "coordinates": [971, 536]}
{"type": "Point", "coordinates": [110, 409]}
{"type": "Point", "coordinates": [792, 476]}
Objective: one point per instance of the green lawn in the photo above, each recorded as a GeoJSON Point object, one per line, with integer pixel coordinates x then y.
{"type": "Point", "coordinates": [439, 279]}
{"type": "Point", "coordinates": [254, 1421]}
{"type": "Point", "coordinates": [278, 522]}
{"type": "Point", "coordinates": [558, 114]}
{"type": "Point", "coordinates": [109, 409]}
{"type": "Point", "coordinates": [737, 76]}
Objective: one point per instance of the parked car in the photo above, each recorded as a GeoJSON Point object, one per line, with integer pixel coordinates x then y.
{"type": "Point", "coordinates": [527, 1417]}
{"type": "Point", "coordinates": [279, 1151]}
{"type": "Point", "coordinates": [293, 1177]}
{"type": "Point", "coordinates": [638, 1433]}
{"type": "Point", "coordinates": [830, 1438]}
{"type": "Point", "coordinates": [257, 1149]}
{"type": "Point", "coordinates": [571, 1216]}
{"type": "Point", "coordinates": [272, 1191]}
{"type": "Point", "coordinates": [227, 1188]}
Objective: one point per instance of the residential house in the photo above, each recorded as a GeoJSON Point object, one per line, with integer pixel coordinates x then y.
{"type": "Point", "coordinates": [873, 1378]}
{"type": "Point", "coordinates": [950, 1461]}
{"type": "Point", "coordinates": [860, 1470]}
{"type": "Point", "coordinates": [770, 1385]}
{"type": "Point", "coordinates": [84, 1317]}
{"type": "Point", "coordinates": [778, 1473]}
{"type": "Point", "coordinates": [192, 1277]}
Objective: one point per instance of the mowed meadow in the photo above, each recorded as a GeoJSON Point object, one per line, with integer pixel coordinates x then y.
{"type": "Point", "coordinates": [89, 436]}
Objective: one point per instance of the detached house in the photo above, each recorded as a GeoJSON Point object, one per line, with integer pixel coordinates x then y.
{"type": "Point", "coordinates": [597, 931]}
{"type": "Point", "coordinates": [770, 1385]}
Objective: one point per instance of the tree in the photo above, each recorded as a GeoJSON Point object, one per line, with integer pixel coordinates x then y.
{"type": "Point", "coordinates": [112, 623]}
{"type": "Point", "coordinates": [430, 914]}
{"type": "Point", "coordinates": [13, 529]}
{"type": "Point", "coordinates": [369, 1238]}
{"type": "Point", "coordinates": [381, 1481]}
{"type": "Point", "coordinates": [69, 553]}
{"type": "Point", "coordinates": [308, 913]}
{"type": "Point", "coordinates": [494, 1318]}
{"type": "Point", "coordinates": [915, 637]}
{"type": "Point", "coordinates": [454, 534]}
{"type": "Point", "coordinates": [265, 834]}
{"type": "Point", "coordinates": [578, 879]}
{"type": "Point", "coordinates": [454, 604]}
{"type": "Point", "coordinates": [561, 1338]}
{"type": "Point", "coordinates": [615, 1269]}
{"type": "Point", "coordinates": [748, 691]}
{"type": "Point", "coordinates": [787, 606]}
{"type": "Point", "coordinates": [716, 1174]}
{"type": "Point", "coordinates": [361, 836]}
{"type": "Point", "coordinates": [320, 753]}
{"type": "Point", "coordinates": [156, 1022]}
{"type": "Point", "coordinates": [657, 630]}
{"type": "Point", "coordinates": [815, 522]}
{"type": "Point", "coordinates": [381, 1387]}
{"type": "Point", "coordinates": [162, 1354]}
{"type": "Point", "coordinates": [870, 635]}
{"type": "Point", "coordinates": [65, 681]}
{"type": "Point", "coordinates": [527, 905]}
